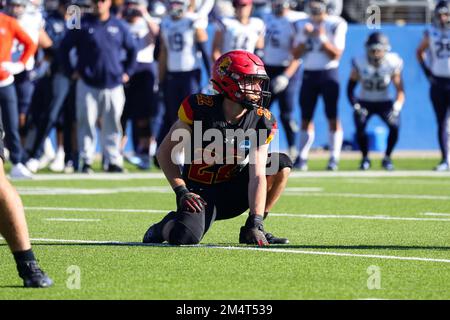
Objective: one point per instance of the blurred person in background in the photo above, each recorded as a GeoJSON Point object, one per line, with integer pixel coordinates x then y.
{"type": "Point", "coordinates": [101, 70]}
{"type": "Point", "coordinates": [277, 57]}
{"type": "Point", "coordinates": [241, 32]}
{"type": "Point", "coordinates": [183, 41]}
{"type": "Point", "coordinates": [320, 43]}
{"type": "Point", "coordinates": [10, 32]}
{"type": "Point", "coordinates": [436, 44]}
{"type": "Point", "coordinates": [140, 96]}
{"type": "Point", "coordinates": [375, 71]}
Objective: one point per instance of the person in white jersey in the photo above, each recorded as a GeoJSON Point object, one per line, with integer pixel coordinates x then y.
{"type": "Point", "coordinates": [182, 48]}
{"type": "Point", "coordinates": [241, 32]}
{"type": "Point", "coordinates": [320, 43]}
{"type": "Point", "coordinates": [375, 71]}
{"type": "Point", "coordinates": [435, 46]}
{"type": "Point", "coordinates": [140, 99]}
{"type": "Point", "coordinates": [278, 44]}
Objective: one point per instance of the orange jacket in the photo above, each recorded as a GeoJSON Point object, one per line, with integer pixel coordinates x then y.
{"type": "Point", "coordinates": [10, 30]}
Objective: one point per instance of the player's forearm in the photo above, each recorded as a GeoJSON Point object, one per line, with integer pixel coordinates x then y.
{"type": "Point", "coordinates": [257, 191]}
{"type": "Point", "coordinates": [170, 169]}
{"type": "Point", "coordinates": [292, 68]}
{"type": "Point", "coordinates": [331, 50]}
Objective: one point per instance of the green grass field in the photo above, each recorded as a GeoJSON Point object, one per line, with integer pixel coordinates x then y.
{"type": "Point", "coordinates": [340, 228]}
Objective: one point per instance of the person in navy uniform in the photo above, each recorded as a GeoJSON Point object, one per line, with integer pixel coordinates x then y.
{"type": "Point", "coordinates": [436, 42]}
{"type": "Point", "coordinates": [218, 185]}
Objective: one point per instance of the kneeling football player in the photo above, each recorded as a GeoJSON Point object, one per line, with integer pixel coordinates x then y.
{"type": "Point", "coordinates": [207, 191]}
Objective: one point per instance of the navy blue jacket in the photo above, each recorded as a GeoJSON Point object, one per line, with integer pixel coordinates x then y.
{"type": "Point", "coordinates": [105, 50]}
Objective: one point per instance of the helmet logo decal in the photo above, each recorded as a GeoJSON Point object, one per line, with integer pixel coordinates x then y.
{"type": "Point", "coordinates": [223, 66]}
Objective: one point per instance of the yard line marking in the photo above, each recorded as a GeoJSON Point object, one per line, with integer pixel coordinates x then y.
{"type": "Point", "coordinates": [97, 210]}
{"type": "Point", "coordinates": [401, 182]}
{"type": "Point", "coordinates": [72, 220]}
{"type": "Point", "coordinates": [370, 195]}
{"type": "Point", "coordinates": [272, 214]}
{"type": "Point", "coordinates": [334, 216]}
{"type": "Point", "coordinates": [295, 174]}
{"type": "Point", "coordinates": [272, 250]}
{"type": "Point", "coordinates": [436, 214]}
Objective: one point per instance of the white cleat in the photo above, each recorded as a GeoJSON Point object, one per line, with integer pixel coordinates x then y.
{"type": "Point", "coordinates": [49, 154]}
{"type": "Point", "coordinates": [19, 171]}
{"type": "Point", "coordinates": [33, 165]}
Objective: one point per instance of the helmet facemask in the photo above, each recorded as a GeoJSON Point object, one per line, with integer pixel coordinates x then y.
{"type": "Point", "coordinates": [253, 90]}
{"type": "Point", "coordinates": [376, 53]}
{"type": "Point", "coordinates": [177, 9]}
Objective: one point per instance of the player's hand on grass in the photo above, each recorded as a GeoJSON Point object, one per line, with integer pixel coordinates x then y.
{"type": "Point", "coordinates": [252, 231]}
{"type": "Point", "coordinates": [189, 201]}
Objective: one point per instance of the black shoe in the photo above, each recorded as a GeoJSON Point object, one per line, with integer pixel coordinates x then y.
{"type": "Point", "coordinates": [33, 276]}
{"type": "Point", "coordinates": [365, 164]}
{"type": "Point", "coordinates": [275, 240]}
{"type": "Point", "coordinates": [87, 169]}
{"type": "Point", "coordinates": [115, 168]}
{"type": "Point", "coordinates": [154, 233]}
{"type": "Point", "coordinates": [387, 164]}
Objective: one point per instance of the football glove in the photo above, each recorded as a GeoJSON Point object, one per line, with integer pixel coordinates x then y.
{"type": "Point", "coordinates": [394, 114]}
{"type": "Point", "coordinates": [360, 111]}
{"type": "Point", "coordinates": [280, 83]}
{"type": "Point", "coordinates": [253, 232]}
{"type": "Point", "coordinates": [189, 201]}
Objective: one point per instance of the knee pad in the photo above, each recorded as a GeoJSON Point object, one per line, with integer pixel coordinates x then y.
{"type": "Point", "coordinates": [182, 235]}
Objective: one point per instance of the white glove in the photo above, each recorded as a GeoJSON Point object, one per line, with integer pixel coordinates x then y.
{"type": "Point", "coordinates": [397, 107]}
{"type": "Point", "coordinates": [360, 111]}
{"type": "Point", "coordinates": [279, 83]}
{"type": "Point", "coordinates": [13, 67]}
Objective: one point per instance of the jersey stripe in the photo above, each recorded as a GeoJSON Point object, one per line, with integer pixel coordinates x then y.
{"type": "Point", "coordinates": [185, 112]}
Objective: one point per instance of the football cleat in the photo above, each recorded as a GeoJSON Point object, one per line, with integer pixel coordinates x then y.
{"type": "Point", "coordinates": [443, 166]}
{"type": "Point", "coordinates": [332, 164]}
{"type": "Point", "coordinates": [87, 169]}
{"type": "Point", "coordinates": [33, 276]}
{"type": "Point", "coordinates": [365, 164]}
{"type": "Point", "coordinates": [271, 239]}
{"type": "Point", "coordinates": [387, 164]}
{"type": "Point", "coordinates": [115, 168]}
{"type": "Point", "coordinates": [301, 164]}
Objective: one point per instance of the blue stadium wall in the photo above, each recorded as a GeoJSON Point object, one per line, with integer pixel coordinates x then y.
{"type": "Point", "coordinates": [418, 127]}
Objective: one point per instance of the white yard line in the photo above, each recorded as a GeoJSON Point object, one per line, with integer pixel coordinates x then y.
{"type": "Point", "coordinates": [72, 220]}
{"type": "Point", "coordinates": [295, 174]}
{"type": "Point", "coordinates": [268, 249]}
{"type": "Point", "coordinates": [272, 214]}
{"type": "Point", "coordinates": [369, 195]}
{"type": "Point", "coordinates": [436, 214]}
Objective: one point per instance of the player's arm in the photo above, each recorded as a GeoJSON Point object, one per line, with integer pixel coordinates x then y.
{"type": "Point", "coordinates": [201, 38]}
{"type": "Point", "coordinates": [333, 47]}
{"type": "Point", "coordinates": [351, 85]}
{"type": "Point", "coordinates": [257, 185]}
{"type": "Point", "coordinates": [164, 155]}
{"type": "Point", "coordinates": [44, 41]}
{"type": "Point", "coordinates": [217, 45]}
{"type": "Point", "coordinates": [420, 53]}
{"type": "Point", "coordinates": [397, 80]}
{"type": "Point", "coordinates": [162, 59]}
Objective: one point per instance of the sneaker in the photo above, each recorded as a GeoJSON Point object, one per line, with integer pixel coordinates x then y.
{"type": "Point", "coordinates": [301, 164]}
{"type": "Point", "coordinates": [365, 164]}
{"type": "Point", "coordinates": [33, 276]}
{"type": "Point", "coordinates": [69, 167]}
{"type": "Point", "coordinates": [87, 168]}
{"type": "Point", "coordinates": [132, 159]}
{"type": "Point", "coordinates": [57, 164]}
{"type": "Point", "coordinates": [145, 162]}
{"type": "Point", "coordinates": [293, 153]}
{"type": "Point", "coordinates": [19, 171]}
{"type": "Point", "coordinates": [332, 164]}
{"type": "Point", "coordinates": [387, 164]}
{"type": "Point", "coordinates": [154, 233]}
{"type": "Point", "coordinates": [443, 166]}
{"type": "Point", "coordinates": [115, 168]}
{"type": "Point", "coordinates": [49, 154]}
{"type": "Point", "coordinates": [32, 165]}
{"type": "Point", "coordinates": [275, 240]}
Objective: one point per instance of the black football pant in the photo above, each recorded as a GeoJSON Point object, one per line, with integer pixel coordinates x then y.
{"type": "Point", "coordinates": [440, 98]}
{"type": "Point", "coordinates": [382, 109]}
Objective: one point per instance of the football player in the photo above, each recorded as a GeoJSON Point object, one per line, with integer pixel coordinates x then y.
{"type": "Point", "coordinates": [13, 227]}
{"type": "Point", "coordinates": [320, 43]}
{"type": "Point", "coordinates": [216, 190]}
{"type": "Point", "coordinates": [436, 42]}
{"type": "Point", "coordinates": [182, 48]}
{"type": "Point", "coordinates": [241, 32]}
{"type": "Point", "coordinates": [375, 71]}
{"type": "Point", "coordinates": [145, 30]}
{"type": "Point", "coordinates": [278, 45]}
